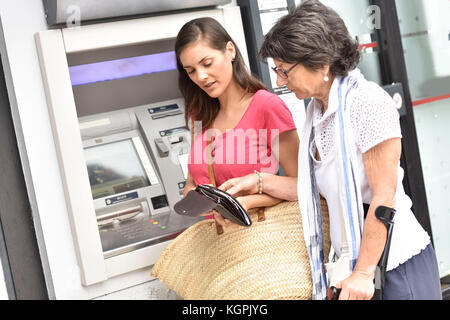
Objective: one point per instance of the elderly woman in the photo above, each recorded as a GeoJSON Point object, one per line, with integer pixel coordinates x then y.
{"type": "Point", "coordinates": [349, 154]}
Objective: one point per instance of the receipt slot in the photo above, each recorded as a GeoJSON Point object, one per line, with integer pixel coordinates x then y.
{"type": "Point", "coordinates": [122, 145]}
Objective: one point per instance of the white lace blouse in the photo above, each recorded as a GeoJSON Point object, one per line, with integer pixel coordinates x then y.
{"type": "Point", "coordinates": [374, 119]}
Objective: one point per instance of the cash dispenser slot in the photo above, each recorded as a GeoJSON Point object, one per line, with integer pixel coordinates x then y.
{"type": "Point", "coordinates": [123, 214]}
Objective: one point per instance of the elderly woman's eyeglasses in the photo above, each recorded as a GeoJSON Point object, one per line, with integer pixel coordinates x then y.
{"type": "Point", "coordinates": [283, 73]}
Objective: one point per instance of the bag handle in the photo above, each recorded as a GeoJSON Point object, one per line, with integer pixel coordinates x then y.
{"type": "Point", "coordinates": [212, 179]}
{"type": "Point", "coordinates": [209, 150]}
{"type": "Point", "coordinates": [212, 176]}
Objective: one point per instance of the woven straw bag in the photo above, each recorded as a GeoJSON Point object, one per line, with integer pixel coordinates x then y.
{"type": "Point", "coordinates": [268, 260]}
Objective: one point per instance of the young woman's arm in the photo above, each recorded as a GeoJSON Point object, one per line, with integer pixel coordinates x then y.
{"type": "Point", "coordinates": [275, 188]}
{"type": "Point", "coordinates": [190, 184]}
{"type": "Point", "coordinates": [280, 187]}
{"type": "Point", "coordinates": [285, 148]}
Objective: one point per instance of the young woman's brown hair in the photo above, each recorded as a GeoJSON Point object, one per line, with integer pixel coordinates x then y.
{"type": "Point", "coordinates": [198, 104]}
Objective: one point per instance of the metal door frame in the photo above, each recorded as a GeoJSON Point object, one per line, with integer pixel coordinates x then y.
{"type": "Point", "coordinates": [393, 69]}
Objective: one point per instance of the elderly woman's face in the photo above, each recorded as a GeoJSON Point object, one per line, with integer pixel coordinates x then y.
{"type": "Point", "coordinates": [208, 68]}
{"type": "Point", "coordinates": [302, 81]}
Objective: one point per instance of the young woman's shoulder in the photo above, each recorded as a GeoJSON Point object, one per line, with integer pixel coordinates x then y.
{"type": "Point", "coordinates": [268, 101]}
{"type": "Point", "coordinates": [264, 94]}
{"type": "Point", "coordinates": [272, 110]}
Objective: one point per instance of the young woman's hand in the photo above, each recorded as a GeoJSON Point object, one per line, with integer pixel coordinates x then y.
{"type": "Point", "coordinates": [228, 223]}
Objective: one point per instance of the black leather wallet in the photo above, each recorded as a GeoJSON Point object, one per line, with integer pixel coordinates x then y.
{"type": "Point", "coordinates": [206, 198]}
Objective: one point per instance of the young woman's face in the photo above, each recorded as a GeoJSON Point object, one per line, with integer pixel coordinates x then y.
{"type": "Point", "coordinates": [210, 69]}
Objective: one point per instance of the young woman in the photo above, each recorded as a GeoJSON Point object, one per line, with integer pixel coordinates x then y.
{"type": "Point", "coordinates": [251, 129]}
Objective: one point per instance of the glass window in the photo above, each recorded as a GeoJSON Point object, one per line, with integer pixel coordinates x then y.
{"type": "Point", "coordinates": [361, 20]}
{"type": "Point", "coordinates": [425, 28]}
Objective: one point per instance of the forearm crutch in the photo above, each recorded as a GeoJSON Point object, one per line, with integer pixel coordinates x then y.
{"type": "Point", "coordinates": [386, 216]}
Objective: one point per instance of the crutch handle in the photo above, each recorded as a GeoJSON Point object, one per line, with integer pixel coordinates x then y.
{"type": "Point", "coordinates": [385, 215]}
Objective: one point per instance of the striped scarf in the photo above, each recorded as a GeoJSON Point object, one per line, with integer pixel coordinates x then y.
{"type": "Point", "coordinates": [347, 174]}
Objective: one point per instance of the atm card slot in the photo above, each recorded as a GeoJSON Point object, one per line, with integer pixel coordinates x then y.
{"type": "Point", "coordinates": [166, 114]}
{"type": "Point", "coordinates": [176, 140]}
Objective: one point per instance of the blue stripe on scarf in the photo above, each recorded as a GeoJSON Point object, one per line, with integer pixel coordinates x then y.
{"type": "Point", "coordinates": [344, 160]}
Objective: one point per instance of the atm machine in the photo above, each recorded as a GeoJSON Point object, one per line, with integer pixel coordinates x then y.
{"type": "Point", "coordinates": [122, 143]}
{"type": "Point", "coordinates": [136, 161]}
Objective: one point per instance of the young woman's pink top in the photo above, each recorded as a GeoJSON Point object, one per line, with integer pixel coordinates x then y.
{"type": "Point", "coordinates": [248, 146]}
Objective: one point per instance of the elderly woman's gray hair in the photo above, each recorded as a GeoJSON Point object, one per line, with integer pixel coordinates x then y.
{"type": "Point", "coordinates": [315, 36]}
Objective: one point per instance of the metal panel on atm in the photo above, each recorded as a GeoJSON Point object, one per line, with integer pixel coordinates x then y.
{"type": "Point", "coordinates": [61, 11]}
{"type": "Point", "coordinates": [137, 165]}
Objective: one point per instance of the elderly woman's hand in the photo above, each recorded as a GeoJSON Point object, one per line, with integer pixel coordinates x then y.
{"type": "Point", "coordinates": [357, 287]}
{"type": "Point", "coordinates": [241, 186]}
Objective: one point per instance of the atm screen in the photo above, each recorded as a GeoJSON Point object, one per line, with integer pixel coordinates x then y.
{"type": "Point", "coordinates": [115, 168]}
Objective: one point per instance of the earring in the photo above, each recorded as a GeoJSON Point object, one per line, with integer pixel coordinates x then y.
{"type": "Point", "coordinates": [326, 79]}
